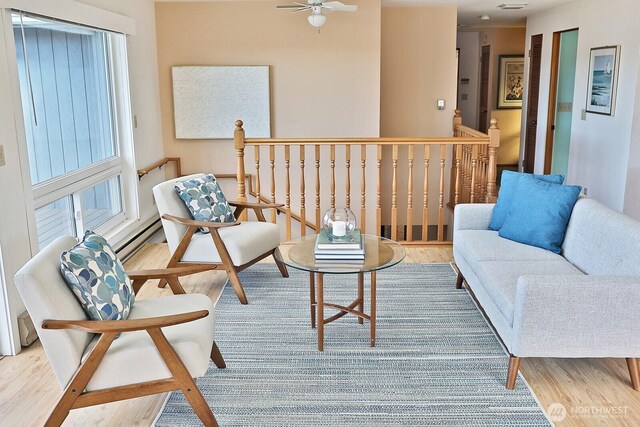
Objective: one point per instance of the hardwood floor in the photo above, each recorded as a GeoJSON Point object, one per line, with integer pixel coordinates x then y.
{"type": "Point", "coordinates": [591, 391]}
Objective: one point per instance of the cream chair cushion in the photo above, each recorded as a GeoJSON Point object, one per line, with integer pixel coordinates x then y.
{"type": "Point", "coordinates": [244, 242]}
{"type": "Point", "coordinates": [134, 358]}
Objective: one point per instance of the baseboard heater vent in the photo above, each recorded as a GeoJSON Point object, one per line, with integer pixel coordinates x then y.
{"type": "Point", "coordinates": [133, 245]}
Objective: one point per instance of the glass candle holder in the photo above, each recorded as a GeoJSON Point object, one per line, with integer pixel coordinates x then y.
{"type": "Point", "coordinates": [339, 222]}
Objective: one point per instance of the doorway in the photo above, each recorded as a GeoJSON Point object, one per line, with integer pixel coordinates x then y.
{"type": "Point", "coordinates": [484, 89]}
{"type": "Point", "coordinates": [531, 123]}
{"type": "Point", "coordinates": [560, 112]}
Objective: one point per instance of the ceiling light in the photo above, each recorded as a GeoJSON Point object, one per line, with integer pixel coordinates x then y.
{"type": "Point", "coordinates": [485, 17]}
{"type": "Point", "coordinates": [317, 20]}
{"type": "Point", "coordinates": [512, 6]}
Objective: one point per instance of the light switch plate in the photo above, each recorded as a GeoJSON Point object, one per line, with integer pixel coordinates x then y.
{"type": "Point", "coordinates": [440, 104]}
{"type": "Point", "coordinates": [2, 161]}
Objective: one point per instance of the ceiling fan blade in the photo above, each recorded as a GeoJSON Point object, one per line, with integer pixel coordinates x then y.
{"type": "Point", "coordinates": [291, 6]}
{"type": "Point", "coordinates": [339, 6]}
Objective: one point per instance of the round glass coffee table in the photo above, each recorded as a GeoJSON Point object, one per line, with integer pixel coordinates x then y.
{"type": "Point", "coordinates": [380, 253]}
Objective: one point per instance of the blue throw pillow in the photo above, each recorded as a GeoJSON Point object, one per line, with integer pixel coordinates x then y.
{"type": "Point", "coordinates": [508, 184]}
{"type": "Point", "coordinates": [540, 213]}
{"type": "Point", "coordinates": [97, 278]}
{"type": "Point", "coordinates": [204, 199]}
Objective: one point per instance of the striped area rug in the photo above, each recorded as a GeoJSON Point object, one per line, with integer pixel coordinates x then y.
{"type": "Point", "coordinates": [436, 361]}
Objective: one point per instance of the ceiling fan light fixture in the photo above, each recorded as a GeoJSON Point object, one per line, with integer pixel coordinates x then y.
{"type": "Point", "coordinates": [317, 19]}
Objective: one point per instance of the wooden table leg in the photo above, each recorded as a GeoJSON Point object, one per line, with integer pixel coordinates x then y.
{"type": "Point", "coordinates": [373, 309]}
{"type": "Point", "coordinates": [312, 296]}
{"type": "Point", "coordinates": [361, 295]}
{"type": "Point", "coordinates": [320, 311]}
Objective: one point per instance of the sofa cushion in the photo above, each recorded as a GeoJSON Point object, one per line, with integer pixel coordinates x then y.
{"type": "Point", "coordinates": [540, 213]}
{"type": "Point", "coordinates": [499, 279]}
{"type": "Point", "coordinates": [602, 241]}
{"type": "Point", "coordinates": [508, 182]}
{"type": "Point", "coordinates": [486, 245]}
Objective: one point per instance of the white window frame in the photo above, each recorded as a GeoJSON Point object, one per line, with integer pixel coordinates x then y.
{"type": "Point", "coordinates": [121, 164]}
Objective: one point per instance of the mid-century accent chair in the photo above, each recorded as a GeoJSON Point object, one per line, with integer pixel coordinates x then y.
{"type": "Point", "coordinates": [163, 344]}
{"type": "Point", "coordinates": [232, 246]}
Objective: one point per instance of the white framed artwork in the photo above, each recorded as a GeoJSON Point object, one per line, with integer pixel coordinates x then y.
{"type": "Point", "coordinates": [207, 100]}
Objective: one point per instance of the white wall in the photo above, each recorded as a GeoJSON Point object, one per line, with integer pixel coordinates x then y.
{"type": "Point", "coordinates": [469, 67]}
{"type": "Point", "coordinates": [15, 186]}
{"type": "Point", "coordinates": [600, 145]}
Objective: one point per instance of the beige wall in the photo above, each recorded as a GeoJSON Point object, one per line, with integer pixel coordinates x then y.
{"type": "Point", "coordinates": [418, 68]}
{"type": "Point", "coordinates": [322, 83]}
{"type": "Point", "coordinates": [504, 41]}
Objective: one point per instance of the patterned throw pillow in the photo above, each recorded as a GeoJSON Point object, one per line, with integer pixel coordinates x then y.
{"type": "Point", "coordinates": [205, 200]}
{"type": "Point", "coordinates": [97, 278]}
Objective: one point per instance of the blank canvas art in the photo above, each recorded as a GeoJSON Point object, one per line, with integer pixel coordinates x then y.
{"type": "Point", "coordinates": [209, 99]}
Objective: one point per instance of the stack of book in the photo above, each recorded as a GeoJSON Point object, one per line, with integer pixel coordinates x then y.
{"type": "Point", "coordinates": [347, 250]}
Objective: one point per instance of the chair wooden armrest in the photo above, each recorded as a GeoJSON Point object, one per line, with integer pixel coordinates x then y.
{"type": "Point", "coordinates": [248, 205]}
{"type": "Point", "coordinates": [204, 224]}
{"type": "Point", "coordinates": [163, 273]}
{"type": "Point", "coordinates": [117, 326]}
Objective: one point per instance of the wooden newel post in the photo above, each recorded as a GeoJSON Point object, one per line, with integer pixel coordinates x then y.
{"type": "Point", "coordinates": [494, 143]}
{"type": "Point", "coordinates": [457, 120]}
{"type": "Point", "coordinates": [238, 139]}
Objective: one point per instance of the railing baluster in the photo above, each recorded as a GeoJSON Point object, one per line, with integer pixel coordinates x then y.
{"type": "Point", "coordinates": [443, 154]}
{"type": "Point", "coordinates": [394, 194]}
{"type": "Point", "coordinates": [303, 210]}
{"type": "Point", "coordinates": [317, 158]}
{"type": "Point", "coordinates": [363, 188]}
{"type": "Point", "coordinates": [333, 176]}
{"type": "Point", "coordinates": [348, 165]}
{"type": "Point", "coordinates": [287, 189]}
{"type": "Point", "coordinates": [456, 197]}
{"type": "Point", "coordinates": [272, 162]}
{"type": "Point", "coordinates": [409, 236]}
{"type": "Point", "coordinates": [256, 151]}
{"type": "Point", "coordinates": [379, 186]}
{"type": "Point", "coordinates": [474, 164]}
{"type": "Point", "coordinates": [425, 195]}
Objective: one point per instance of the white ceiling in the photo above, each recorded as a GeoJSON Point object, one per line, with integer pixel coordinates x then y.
{"type": "Point", "coordinates": [469, 11]}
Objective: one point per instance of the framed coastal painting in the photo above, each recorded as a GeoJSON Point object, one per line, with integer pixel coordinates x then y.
{"type": "Point", "coordinates": [510, 81]}
{"type": "Point", "coordinates": [603, 80]}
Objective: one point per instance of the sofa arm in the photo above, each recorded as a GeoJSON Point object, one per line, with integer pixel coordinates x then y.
{"type": "Point", "coordinates": [472, 216]}
{"type": "Point", "coordinates": [576, 316]}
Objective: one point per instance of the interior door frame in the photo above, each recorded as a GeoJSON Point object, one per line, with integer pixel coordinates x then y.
{"type": "Point", "coordinates": [553, 98]}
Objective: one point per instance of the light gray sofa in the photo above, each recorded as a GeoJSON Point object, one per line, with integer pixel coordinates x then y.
{"type": "Point", "coordinates": [584, 302]}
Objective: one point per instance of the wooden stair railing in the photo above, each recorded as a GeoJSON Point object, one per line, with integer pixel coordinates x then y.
{"type": "Point", "coordinates": [159, 164]}
{"type": "Point", "coordinates": [472, 175]}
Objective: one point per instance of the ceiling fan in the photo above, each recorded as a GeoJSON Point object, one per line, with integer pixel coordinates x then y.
{"type": "Point", "coordinates": [316, 18]}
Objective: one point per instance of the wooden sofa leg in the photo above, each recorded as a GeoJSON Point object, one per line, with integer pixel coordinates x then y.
{"type": "Point", "coordinates": [512, 374]}
{"type": "Point", "coordinates": [216, 356]}
{"type": "Point", "coordinates": [634, 373]}
{"type": "Point", "coordinates": [459, 280]}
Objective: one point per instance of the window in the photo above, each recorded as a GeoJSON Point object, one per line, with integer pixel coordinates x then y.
{"type": "Point", "coordinates": [76, 124]}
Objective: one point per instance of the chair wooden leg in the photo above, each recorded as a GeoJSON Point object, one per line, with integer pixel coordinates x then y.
{"type": "Point", "coordinates": [278, 259]}
{"type": "Point", "coordinates": [216, 356]}
{"type": "Point", "coordinates": [237, 284]}
{"type": "Point", "coordinates": [634, 372]}
{"type": "Point", "coordinates": [79, 381]}
{"type": "Point", "coordinates": [175, 285]}
{"type": "Point", "coordinates": [512, 374]}
{"type": "Point", "coordinates": [459, 280]}
{"type": "Point", "coordinates": [183, 378]}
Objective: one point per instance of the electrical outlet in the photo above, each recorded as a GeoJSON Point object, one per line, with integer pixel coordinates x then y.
{"type": "Point", "coordinates": [2, 161]}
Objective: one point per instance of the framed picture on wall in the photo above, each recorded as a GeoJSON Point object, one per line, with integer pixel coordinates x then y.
{"type": "Point", "coordinates": [510, 81]}
{"type": "Point", "coordinates": [603, 80]}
